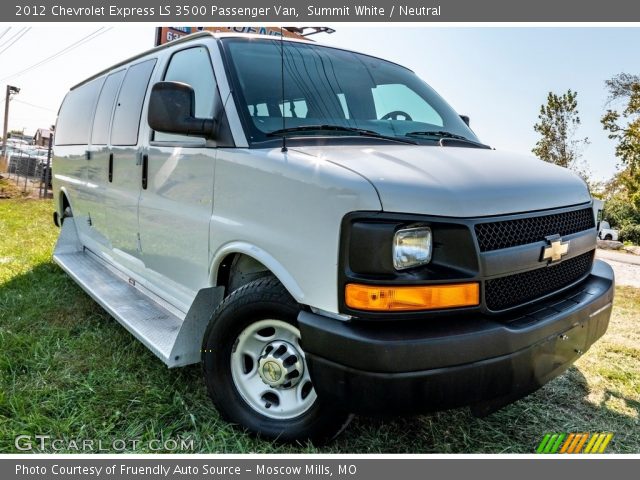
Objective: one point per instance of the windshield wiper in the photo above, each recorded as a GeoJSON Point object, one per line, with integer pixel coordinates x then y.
{"type": "Point", "coordinates": [338, 128]}
{"type": "Point", "coordinates": [443, 134]}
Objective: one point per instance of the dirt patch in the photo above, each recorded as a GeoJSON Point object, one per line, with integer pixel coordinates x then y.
{"type": "Point", "coordinates": [9, 189]}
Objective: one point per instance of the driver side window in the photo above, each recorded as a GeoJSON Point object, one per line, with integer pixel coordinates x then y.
{"type": "Point", "coordinates": [193, 67]}
{"type": "Point", "coordinates": [399, 100]}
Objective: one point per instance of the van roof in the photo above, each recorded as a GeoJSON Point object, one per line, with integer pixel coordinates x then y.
{"type": "Point", "coordinates": [206, 33]}
{"type": "Point", "coordinates": [184, 39]}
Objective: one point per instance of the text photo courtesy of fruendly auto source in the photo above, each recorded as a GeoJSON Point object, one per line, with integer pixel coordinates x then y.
{"type": "Point", "coordinates": [319, 240]}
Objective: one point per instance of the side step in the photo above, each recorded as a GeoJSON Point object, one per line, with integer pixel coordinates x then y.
{"type": "Point", "coordinates": [175, 341]}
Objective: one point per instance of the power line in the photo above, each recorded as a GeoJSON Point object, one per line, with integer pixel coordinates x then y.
{"type": "Point", "coordinates": [11, 37]}
{"type": "Point", "coordinates": [65, 50]}
{"type": "Point", "coordinates": [14, 39]}
{"type": "Point", "coordinates": [5, 32]}
{"type": "Point", "coordinates": [33, 105]}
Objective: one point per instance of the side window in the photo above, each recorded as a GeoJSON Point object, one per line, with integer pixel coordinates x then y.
{"type": "Point", "coordinates": [74, 118]}
{"type": "Point", "coordinates": [126, 119]}
{"type": "Point", "coordinates": [258, 110]}
{"type": "Point", "coordinates": [193, 67]}
{"type": "Point", "coordinates": [100, 132]}
{"type": "Point", "coordinates": [399, 97]}
{"type": "Point", "coordinates": [294, 108]}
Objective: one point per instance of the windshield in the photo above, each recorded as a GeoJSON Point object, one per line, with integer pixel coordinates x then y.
{"type": "Point", "coordinates": [327, 86]}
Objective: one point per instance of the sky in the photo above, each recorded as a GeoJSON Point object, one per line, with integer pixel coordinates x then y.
{"type": "Point", "coordinates": [499, 76]}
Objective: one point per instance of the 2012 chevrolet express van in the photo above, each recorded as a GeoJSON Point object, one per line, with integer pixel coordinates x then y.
{"type": "Point", "coordinates": [323, 232]}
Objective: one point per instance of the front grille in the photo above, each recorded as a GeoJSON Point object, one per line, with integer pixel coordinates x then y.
{"type": "Point", "coordinates": [510, 233]}
{"type": "Point", "coordinates": [512, 290]}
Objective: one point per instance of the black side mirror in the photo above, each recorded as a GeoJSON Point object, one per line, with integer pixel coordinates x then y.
{"type": "Point", "coordinates": [171, 110]}
{"type": "Point", "coordinates": [466, 120]}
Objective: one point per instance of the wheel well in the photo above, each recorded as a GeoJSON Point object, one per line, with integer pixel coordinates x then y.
{"type": "Point", "coordinates": [64, 202]}
{"type": "Point", "coordinates": [238, 269]}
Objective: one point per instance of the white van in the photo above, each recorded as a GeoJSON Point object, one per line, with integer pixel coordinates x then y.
{"type": "Point", "coordinates": [323, 232]}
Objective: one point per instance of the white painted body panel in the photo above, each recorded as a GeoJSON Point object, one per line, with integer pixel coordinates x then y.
{"type": "Point", "coordinates": [285, 210]}
{"type": "Point", "coordinates": [97, 190]}
{"type": "Point", "coordinates": [121, 204]}
{"type": "Point", "coordinates": [174, 215]}
{"type": "Point", "coordinates": [458, 182]}
{"type": "Point", "coordinates": [70, 175]}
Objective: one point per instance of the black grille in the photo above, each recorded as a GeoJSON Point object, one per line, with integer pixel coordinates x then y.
{"type": "Point", "coordinates": [513, 290]}
{"type": "Point", "coordinates": [510, 233]}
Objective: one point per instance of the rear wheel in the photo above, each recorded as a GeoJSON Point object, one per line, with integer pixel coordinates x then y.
{"type": "Point", "coordinates": [66, 213]}
{"type": "Point", "coordinates": [608, 237]}
{"type": "Point", "coordinates": [255, 369]}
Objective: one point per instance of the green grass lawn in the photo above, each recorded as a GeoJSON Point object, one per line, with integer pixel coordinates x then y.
{"type": "Point", "coordinates": [70, 371]}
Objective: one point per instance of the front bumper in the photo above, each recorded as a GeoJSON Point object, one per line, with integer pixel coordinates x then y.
{"type": "Point", "coordinates": [431, 364]}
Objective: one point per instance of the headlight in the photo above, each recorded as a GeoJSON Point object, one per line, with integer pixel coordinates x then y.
{"type": "Point", "coordinates": [412, 247]}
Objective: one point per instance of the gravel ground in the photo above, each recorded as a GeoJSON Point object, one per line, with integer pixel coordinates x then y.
{"type": "Point", "coordinates": [625, 265]}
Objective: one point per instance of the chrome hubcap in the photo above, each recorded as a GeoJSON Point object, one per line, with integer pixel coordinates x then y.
{"type": "Point", "coordinates": [269, 370]}
{"type": "Point", "coordinates": [280, 365]}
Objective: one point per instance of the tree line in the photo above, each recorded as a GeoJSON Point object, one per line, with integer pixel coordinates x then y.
{"type": "Point", "coordinates": [559, 143]}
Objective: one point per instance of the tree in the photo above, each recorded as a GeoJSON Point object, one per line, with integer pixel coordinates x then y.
{"type": "Point", "coordinates": [624, 125]}
{"type": "Point", "coordinates": [622, 207]}
{"type": "Point", "coordinates": [557, 125]}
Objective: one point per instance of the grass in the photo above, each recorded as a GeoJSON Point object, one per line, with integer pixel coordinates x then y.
{"type": "Point", "coordinates": [70, 371]}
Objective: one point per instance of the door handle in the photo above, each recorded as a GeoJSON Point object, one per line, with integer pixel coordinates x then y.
{"type": "Point", "coordinates": [87, 154]}
{"type": "Point", "coordinates": [145, 170]}
{"type": "Point", "coordinates": [110, 167]}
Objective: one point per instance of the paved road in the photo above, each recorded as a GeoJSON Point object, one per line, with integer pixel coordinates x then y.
{"type": "Point", "coordinates": [625, 265]}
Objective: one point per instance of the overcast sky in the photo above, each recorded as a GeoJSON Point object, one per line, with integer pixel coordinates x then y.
{"type": "Point", "coordinates": [498, 76]}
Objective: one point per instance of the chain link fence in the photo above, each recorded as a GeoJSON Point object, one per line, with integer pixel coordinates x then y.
{"type": "Point", "coordinates": [30, 170]}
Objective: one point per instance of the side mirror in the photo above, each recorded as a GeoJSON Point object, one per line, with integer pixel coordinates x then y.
{"type": "Point", "coordinates": [466, 120]}
{"type": "Point", "coordinates": [171, 110]}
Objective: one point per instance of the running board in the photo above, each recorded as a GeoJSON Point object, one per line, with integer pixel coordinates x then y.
{"type": "Point", "coordinates": [175, 341]}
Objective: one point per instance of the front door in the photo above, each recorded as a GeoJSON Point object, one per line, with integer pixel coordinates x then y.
{"type": "Point", "coordinates": [177, 203]}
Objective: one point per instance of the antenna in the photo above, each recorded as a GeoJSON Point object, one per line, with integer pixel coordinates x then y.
{"type": "Point", "coordinates": [284, 135]}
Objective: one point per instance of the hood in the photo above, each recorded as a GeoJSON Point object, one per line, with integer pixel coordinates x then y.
{"type": "Point", "coordinates": [457, 181]}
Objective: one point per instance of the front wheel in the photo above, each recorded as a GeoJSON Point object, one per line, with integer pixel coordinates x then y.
{"type": "Point", "coordinates": [256, 372]}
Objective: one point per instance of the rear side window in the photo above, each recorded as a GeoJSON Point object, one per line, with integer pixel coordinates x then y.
{"type": "Point", "coordinates": [126, 119]}
{"type": "Point", "coordinates": [193, 67]}
{"type": "Point", "coordinates": [74, 119]}
{"type": "Point", "coordinates": [100, 132]}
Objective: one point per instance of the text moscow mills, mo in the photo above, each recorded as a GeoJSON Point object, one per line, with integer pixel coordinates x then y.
{"type": "Point", "coordinates": [217, 12]}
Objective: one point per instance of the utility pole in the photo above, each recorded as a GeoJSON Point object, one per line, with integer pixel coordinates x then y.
{"type": "Point", "coordinates": [10, 90]}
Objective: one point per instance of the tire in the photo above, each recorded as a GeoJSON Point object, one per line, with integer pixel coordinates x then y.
{"type": "Point", "coordinates": [254, 368]}
{"type": "Point", "coordinates": [608, 237]}
{"type": "Point", "coordinates": [66, 213]}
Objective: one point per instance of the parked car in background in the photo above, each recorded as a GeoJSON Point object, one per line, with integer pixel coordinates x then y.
{"type": "Point", "coordinates": [28, 160]}
{"type": "Point", "coordinates": [605, 232]}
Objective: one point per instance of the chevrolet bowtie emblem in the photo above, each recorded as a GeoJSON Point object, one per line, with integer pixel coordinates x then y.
{"type": "Point", "coordinates": [556, 249]}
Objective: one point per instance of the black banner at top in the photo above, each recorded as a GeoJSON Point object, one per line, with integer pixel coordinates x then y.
{"type": "Point", "coordinates": [320, 11]}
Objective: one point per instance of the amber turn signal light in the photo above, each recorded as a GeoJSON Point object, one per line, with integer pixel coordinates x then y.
{"type": "Point", "coordinates": [408, 298]}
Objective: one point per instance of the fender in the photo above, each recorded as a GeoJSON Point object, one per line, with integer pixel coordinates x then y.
{"type": "Point", "coordinates": [261, 256]}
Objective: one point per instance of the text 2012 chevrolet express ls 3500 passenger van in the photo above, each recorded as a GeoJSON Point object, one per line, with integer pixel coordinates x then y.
{"type": "Point", "coordinates": [385, 260]}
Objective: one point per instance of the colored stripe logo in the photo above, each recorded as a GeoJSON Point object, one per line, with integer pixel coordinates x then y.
{"type": "Point", "coordinates": [574, 442]}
